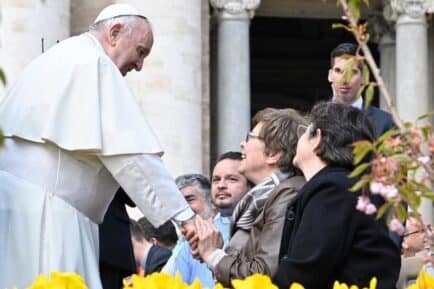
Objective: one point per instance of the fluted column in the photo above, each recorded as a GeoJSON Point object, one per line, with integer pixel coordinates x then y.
{"type": "Point", "coordinates": [382, 31]}
{"type": "Point", "coordinates": [412, 67]}
{"type": "Point", "coordinates": [23, 24]}
{"type": "Point", "coordinates": [169, 87]}
{"type": "Point", "coordinates": [387, 47]}
{"type": "Point", "coordinates": [233, 71]}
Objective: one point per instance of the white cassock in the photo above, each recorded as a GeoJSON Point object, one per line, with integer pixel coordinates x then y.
{"type": "Point", "coordinates": [74, 133]}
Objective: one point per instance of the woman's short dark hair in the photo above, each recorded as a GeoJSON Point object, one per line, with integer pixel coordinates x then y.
{"type": "Point", "coordinates": [341, 125]}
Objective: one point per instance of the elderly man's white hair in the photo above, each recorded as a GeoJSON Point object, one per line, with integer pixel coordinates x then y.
{"type": "Point", "coordinates": [124, 14]}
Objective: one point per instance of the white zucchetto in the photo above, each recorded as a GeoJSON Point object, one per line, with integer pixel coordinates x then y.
{"type": "Point", "coordinates": [117, 10]}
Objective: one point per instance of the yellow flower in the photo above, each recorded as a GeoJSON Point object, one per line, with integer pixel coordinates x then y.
{"type": "Point", "coordinates": [59, 280]}
{"type": "Point", "coordinates": [219, 286]}
{"type": "Point", "coordinates": [160, 281]}
{"type": "Point", "coordinates": [338, 285]}
{"type": "Point", "coordinates": [424, 281]}
{"type": "Point", "coordinates": [255, 281]}
{"type": "Point", "coordinates": [296, 285]}
{"type": "Point", "coordinates": [372, 285]}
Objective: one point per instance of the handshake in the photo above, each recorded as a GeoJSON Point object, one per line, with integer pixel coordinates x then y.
{"type": "Point", "coordinates": [203, 236]}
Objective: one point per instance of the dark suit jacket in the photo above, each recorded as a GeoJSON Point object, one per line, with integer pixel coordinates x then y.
{"type": "Point", "coordinates": [326, 239]}
{"type": "Point", "coordinates": [115, 244]}
{"type": "Point", "coordinates": [156, 259]}
{"type": "Point", "coordinates": [381, 120]}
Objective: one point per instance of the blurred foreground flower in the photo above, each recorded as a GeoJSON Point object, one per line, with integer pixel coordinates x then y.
{"type": "Point", "coordinates": [372, 285]}
{"type": "Point", "coordinates": [256, 281]}
{"type": "Point", "coordinates": [159, 281]}
{"type": "Point", "coordinates": [59, 280]}
{"type": "Point", "coordinates": [424, 281]}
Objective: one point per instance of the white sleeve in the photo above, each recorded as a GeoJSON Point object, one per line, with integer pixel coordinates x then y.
{"type": "Point", "coordinates": [146, 180]}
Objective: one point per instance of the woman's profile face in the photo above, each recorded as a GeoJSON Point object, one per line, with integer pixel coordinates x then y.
{"type": "Point", "coordinates": [305, 148]}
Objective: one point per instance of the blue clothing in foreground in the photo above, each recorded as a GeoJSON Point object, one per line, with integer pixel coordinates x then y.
{"type": "Point", "coordinates": [190, 268]}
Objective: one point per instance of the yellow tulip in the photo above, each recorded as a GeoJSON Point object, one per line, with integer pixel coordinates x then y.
{"type": "Point", "coordinates": [424, 281]}
{"type": "Point", "coordinates": [296, 285]}
{"type": "Point", "coordinates": [59, 280]}
{"type": "Point", "coordinates": [255, 281]}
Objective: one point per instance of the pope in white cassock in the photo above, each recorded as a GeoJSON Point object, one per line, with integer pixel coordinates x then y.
{"type": "Point", "coordinates": [74, 133]}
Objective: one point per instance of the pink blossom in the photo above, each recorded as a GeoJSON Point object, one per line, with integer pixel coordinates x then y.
{"type": "Point", "coordinates": [396, 226]}
{"type": "Point", "coordinates": [370, 209]}
{"type": "Point", "coordinates": [376, 187]}
{"type": "Point", "coordinates": [364, 205]}
{"type": "Point", "coordinates": [389, 191]}
{"type": "Point", "coordinates": [424, 159]}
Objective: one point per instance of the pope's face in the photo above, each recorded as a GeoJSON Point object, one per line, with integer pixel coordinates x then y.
{"type": "Point", "coordinates": [130, 50]}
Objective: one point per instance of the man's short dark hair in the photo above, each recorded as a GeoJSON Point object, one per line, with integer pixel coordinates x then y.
{"type": "Point", "coordinates": [165, 234]}
{"type": "Point", "coordinates": [341, 125]}
{"type": "Point", "coordinates": [236, 156]}
{"type": "Point", "coordinates": [343, 49]}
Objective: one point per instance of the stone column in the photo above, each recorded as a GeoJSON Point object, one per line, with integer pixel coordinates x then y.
{"type": "Point", "coordinates": [23, 24]}
{"type": "Point", "coordinates": [387, 49]}
{"type": "Point", "coordinates": [233, 71]}
{"type": "Point", "coordinates": [412, 67]}
{"type": "Point", "coordinates": [169, 87]}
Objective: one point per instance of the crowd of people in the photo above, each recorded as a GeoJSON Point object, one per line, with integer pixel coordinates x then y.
{"type": "Point", "coordinates": [281, 206]}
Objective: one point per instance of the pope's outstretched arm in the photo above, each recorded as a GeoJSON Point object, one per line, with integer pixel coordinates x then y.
{"type": "Point", "coordinates": [146, 180]}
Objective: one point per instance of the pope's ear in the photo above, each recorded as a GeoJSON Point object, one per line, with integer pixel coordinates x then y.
{"type": "Point", "coordinates": [115, 31]}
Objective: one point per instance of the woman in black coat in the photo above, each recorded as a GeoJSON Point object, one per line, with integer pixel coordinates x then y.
{"type": "Point", "coordinates": [325, 237]}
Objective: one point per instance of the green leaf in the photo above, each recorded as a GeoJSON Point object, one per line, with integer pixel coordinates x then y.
{"type": "Point", "coordinates": [402, 158]}
{"type": "Point", "coordinates": [2, 139]}
{"type": "Point", "coordinates": [383, 209]}
{"type": "Point", "coordinates": [361, 149]}
{"type": "Point", "coordinates": [359, 170]}
{"type": "Point", "coordinates": [402, 212]}
{"type": "Point", "coordinates": [339, 26]}
{"type": "Point", "coordinates": [426, 115]}
{"type": "Point", "coordinates": [361, 89]}
{"type": "Point", "coordinates": [366, 2]}
{"type": "Point", "coordinates": [354, 9]}
{"type": "Point", "coordinates": [359, 185]}
{"type": "Point", "coordinates": [369, 95]}
{"type": "Point", "coordinates": [428, 195]}
{"type": "Point", "coordinates": [3, 77]}
{"type": "Point", "coordinates": [425, 131]}
{"type": "Point", "coordinates": [387, 134]}
{"type": "Point", "coordinates": [365, 73]}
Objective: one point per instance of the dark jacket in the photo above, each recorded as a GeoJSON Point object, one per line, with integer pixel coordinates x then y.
{"type": "Point", "coordinates": [115, 244]}
{"type": "Point", "coordinates": [381, 120]}
{"type": "Point", "coordinates": [260, 246]}
{"type": "Point", "coordinates": [326, 239]}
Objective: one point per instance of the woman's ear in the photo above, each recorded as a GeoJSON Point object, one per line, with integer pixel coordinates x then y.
{"type": "Point", "coordinates": [316, 139]}
{"type": "Point", "coordinates": [274, 157]}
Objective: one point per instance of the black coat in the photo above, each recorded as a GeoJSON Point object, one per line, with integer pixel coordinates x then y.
{"type": "Point", "coordinates": [326, 239]}
{"type": "Point", "coordinates": [115, 244]}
